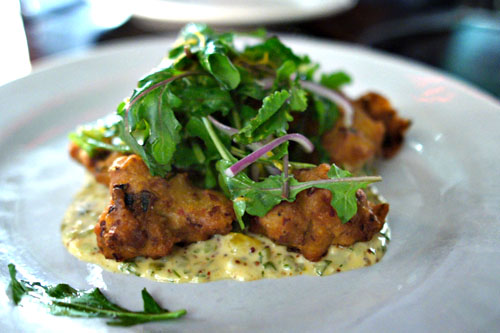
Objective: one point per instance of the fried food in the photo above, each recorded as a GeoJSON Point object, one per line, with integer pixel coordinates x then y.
{"type": "Point", "coordinates": [377, 130]}
{"type": "Point", "coordinates": [311, 225]}
{"type": "Point", "coordinates": [148, 215]}
{"type": "Point", "coordinates": [97, 165]}
{"type": "Point", "coordinates": [380, 109]}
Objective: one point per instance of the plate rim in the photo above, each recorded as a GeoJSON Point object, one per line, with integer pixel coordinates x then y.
{"type": "Point", "coordinates": [114, 46]}
{"type": "Point", "coordinates": [327, 8]}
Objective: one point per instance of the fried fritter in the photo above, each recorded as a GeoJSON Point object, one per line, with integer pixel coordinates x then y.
{"type": "Point", "coordinates": [311, 225]}
{"type": "Point", "coordinates": [377, 130]}
{"type": "Point", "coordinates": [348, 147]}
{"type": "Point", "coordinates": [148, 215]}
{"type": "Point", "coordinates": [380, 109]}
{"type": "Point", "coordinates": [97, 165]}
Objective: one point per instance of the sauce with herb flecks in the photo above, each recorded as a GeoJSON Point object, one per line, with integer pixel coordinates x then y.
{"type": "Point", "coordinates": [242, 257]}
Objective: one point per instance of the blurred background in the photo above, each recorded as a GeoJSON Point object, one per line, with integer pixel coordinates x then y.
{"type": "Point", "coordinates": [461, 37]}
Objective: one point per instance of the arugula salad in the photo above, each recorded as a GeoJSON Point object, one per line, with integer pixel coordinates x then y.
{"type": "Point", "coordinates": [218, 134]}
{"type": "Point", "coordinates": [196, 111]}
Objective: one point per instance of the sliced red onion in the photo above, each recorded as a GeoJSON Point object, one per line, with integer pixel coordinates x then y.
{"type": "Point", "coordinates": [224, 128]}
{"type": "Point", "coordinates": [333, 96]}
{"type": "Point", "coordinates": [368, 179]}
{"type": "Point", "coordinates": [251, 158]}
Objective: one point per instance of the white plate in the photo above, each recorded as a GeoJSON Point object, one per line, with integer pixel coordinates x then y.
{"type": "Point", "coordinates": [442, 268]}
{"type": "Point", "coordinates": [234, 12]}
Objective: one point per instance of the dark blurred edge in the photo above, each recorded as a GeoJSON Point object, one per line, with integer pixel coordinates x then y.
{"type": "Point", "coordinates": [461, 37]}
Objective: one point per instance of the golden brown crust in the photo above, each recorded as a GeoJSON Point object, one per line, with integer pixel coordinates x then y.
{"type": "Point", "coordinates": [348, 147]}
{"type": "Point", "coordinates": [148, 215]}
{"type": "Point", "coordinates": [97, 165]}
{"type": "Point", "coordinates": [311, 225]}
{"type": "Point", "coordinates": [380, 109]}
{"type": "Point", "coordinates": [376, 130]}
{"type": "Point", "coordinates": [122, 235]}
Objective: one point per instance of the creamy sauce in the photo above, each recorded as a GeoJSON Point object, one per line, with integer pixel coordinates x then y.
{"type": "Point", "coordinates": [237, 256]}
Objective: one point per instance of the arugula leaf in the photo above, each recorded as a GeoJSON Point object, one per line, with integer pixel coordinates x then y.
{"type": "Point", "coordinates": [100, 135]}
{"type": "Point", "coordinates": [153, 130]}
{"type": "Point", "coordinates": [246, 114]}
{"type": "Point", "coordinates": [214, 59]}
{"type": "Point", "coordinates": [277, 124]}
{"type": "Point", "coordinates": [250, 195]}
{"type": "Point", "coordinates": [157, 75]}
{"type": "Point", "coordinates": [184, 156]}
{"type": "Point", "coordinates": [271, 52]}
{"type": "Point", "coordinates": [196, 128]}
{"type": "Point", "coordinates": [326, 114]}
{"type": "Point", "coordinates": [343, 193]}
{"type": "Point", "coordinates": [335, 80]}
{"type": "Point", "coordinates": [201, 99]}
{"type": "Point", "coordinates": [249, 87]}
{"type": "Point", "coordinates": [270, 106]}
{"type": "Point", "coordinates": [176, 52]}
{"type": "Point", "coordinates": [192, 157]}
{"type": "Point", "coordinates": [284, 71]}
{"type": "Point", "coordinates": [149, 126]}
{"type": "Point", "coordinates": [63, 300]}
{"type": "Point", "coordinates": [298, 99]}
{"type": "Point", "coordinates": [258, 198]}
{"type": "Point", "coordinates": [212, 51]}
{"type": "Point", "coordinates": [239, 207]}
{"type": "Point", "coordinates": [210, 180]}
{"type": "Point", "coordinates": [307, 70]}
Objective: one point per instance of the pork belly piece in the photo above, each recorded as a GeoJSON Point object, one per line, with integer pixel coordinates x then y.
{"type": "Point", "coordinates": [376, 130]}
{"type": "Point", "coordinates": [311, 225]}
{"type": "Point", "coordinates": [97, 165]}
{"type": "Point", "coordinates": [148, 215]}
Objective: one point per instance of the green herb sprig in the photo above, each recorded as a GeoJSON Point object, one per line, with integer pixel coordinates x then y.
{"type": "Point", "coordinates": [258, 198]}
{"type": "Point", "coordinates": [102, 135]}
{"type": "Point", "coordinates": [63, 300]}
